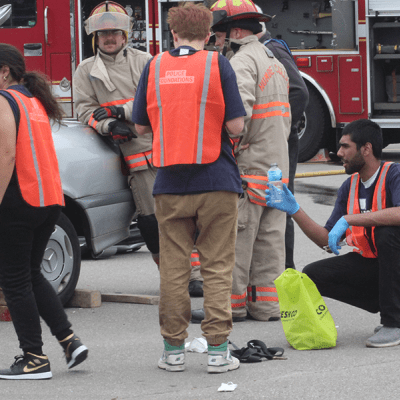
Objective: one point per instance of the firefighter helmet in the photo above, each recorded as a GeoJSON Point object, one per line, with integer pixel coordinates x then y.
{"type": "Point", "coordinates": [107, 16]}
{"type": "Point", "coordinates": [225, 11]}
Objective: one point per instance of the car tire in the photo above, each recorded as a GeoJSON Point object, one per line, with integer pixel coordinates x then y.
{"type": "Point", "coordinates": [314, 127]}
{"type": "Point", "coordinates": [61, 263]}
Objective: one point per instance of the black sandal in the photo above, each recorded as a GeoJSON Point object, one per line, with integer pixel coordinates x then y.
{"type": "Point", "coordinates": [255, 351]}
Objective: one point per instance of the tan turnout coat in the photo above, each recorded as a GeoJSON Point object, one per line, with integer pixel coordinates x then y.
{"type": "Point", "coordinates": [101, 80]}
{"type": "Point", "coordinates": [263, 84]}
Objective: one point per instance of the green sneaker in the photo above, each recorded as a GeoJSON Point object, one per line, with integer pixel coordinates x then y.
{"type": "Point", "coordinates": [220, 359]}
{"type": "Point", "coordinates": [173, 358]}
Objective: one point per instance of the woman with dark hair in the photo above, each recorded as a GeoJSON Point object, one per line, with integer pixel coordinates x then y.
{"type": "Point", "coordinates": [31, 198]}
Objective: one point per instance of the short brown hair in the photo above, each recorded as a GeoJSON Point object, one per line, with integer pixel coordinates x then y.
{"type": "Point", "coordinates": [190, 21]}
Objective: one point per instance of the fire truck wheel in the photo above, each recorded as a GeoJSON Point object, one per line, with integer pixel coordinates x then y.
{"type": "Point", "coordinates": [61, 263]}
{"type": "Point", "coordinates": [314, 127]}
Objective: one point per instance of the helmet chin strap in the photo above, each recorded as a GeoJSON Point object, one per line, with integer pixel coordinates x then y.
{"type": "Point", "coordinates": [226, 41]}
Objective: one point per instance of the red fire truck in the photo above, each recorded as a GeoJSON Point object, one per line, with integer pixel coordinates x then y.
{"type": "Point", "coordinates": [348, 52]}
{"type": "Point", "coordinates": [51, 35]}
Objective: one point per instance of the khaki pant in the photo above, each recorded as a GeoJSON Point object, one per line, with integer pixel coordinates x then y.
{"type": "Point", "coordinates": [141, 183]}
{"type": "Point", "coordinates": [215, 215]}
{"type": "Point", "coordinates": [260, 259]}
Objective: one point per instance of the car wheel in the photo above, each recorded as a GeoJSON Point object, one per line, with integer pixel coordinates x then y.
{"type": "Point", "coordinates": [313, 128]}
{"type": "Point", "coordinates": [61, 263]}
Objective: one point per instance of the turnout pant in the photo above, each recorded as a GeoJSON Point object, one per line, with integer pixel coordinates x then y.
{"type": "Point", "coordinates": [372, 284]}
{"type": "Point", "coordinates": [260, 259]}
{"type": "Point", "coordinates": [24, 233]}
{"type": "Point", "coordinates": [215, 216]}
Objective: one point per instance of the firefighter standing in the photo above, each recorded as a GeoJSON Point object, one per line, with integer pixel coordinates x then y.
{"type": "Point", "coordinates": [186, 96]}
{"type": "Point", "coordinates": [104, 90]}
{"type": "Point", "coordinates": [298, 100]}
{"type": "Point", "coordinates": [263, 85]}
{"type": "Point", "coordinates": [31, 197]}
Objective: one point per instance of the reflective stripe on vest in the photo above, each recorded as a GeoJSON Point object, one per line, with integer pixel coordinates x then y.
{"type": "Point", "coordinates": [93, 123]}
{"type": "Point", "coordinates": [36, 159]}
{"type": "Point", "coordinates": [256, 185]}
{"type": "Point", "coordinates": [184, 84]}
{"type": "Point", "coordinates": [357, 236]}
{"type": "Point", "coordinates": [272, 109]}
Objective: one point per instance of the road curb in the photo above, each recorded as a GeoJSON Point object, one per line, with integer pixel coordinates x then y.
{"type": "Point", "coordinates": [130, 298]}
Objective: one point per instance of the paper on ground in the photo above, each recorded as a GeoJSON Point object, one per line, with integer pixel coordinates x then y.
{"type": "Point", "coordinates": [197, 345]}
{"type": "Point", "coordinates": [227, 387]}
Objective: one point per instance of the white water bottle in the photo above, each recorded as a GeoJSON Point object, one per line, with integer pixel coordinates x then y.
{"type": "Point", "coordinates": [275, 178]}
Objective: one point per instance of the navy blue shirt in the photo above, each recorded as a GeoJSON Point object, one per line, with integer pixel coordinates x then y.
{"type": "Point", "coordinates": [392, 195]}
{"type": "Point", "coordinates": [13, 187]}
{"type": "Point", "coordinates": [13, 104]}
{"type": "Point", "coordinates": [223, 174]}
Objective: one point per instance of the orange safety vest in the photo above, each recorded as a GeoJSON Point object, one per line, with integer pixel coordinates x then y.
{"type": "Point", "coordinates": [186, 108]}
{"type": "Point", "coordinates": [357, 236]}
{"type": "Point", "coordinates": [36, 160]}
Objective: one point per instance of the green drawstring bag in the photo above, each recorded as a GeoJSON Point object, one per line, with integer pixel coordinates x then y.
{"type": "Point", "coordinates": [305, 318]}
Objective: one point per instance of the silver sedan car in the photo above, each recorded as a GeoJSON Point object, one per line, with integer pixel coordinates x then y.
{"type": "Point", "coordinates": [99, 205]}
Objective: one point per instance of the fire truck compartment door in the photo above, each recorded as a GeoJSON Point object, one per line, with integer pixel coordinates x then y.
{"type": "Point", "coordinates": [24, 29]}
{"type": "Point", "coordinates": [350, 85]}
{"type": "Point", "coordinates": [383, 5]}
{"type": "Point", "coordinates": [57, 35]}
{"type": "Point", "coordinates": [60, 74]}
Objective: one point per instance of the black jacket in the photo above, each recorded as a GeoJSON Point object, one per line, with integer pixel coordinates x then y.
{"type": "Point", "coordinates": [298, 92]}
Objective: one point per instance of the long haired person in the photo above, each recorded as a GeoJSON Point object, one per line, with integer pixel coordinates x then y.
{"type": "Point", "coordinates": [31, 199]}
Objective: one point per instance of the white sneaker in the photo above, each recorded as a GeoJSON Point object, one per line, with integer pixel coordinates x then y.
{"type": "Point", "coordinates": [220, 360]}
{"type": "Point", "coordinates": [172, 360]}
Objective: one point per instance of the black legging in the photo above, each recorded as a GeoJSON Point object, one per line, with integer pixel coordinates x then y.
{"type": "Point", "coordinates": [24, 233]}
{"type": "Point", "coordinates": [372, 284]}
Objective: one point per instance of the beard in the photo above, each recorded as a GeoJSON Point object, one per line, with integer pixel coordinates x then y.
{"type": "Point", "coordinates": [355, 164]}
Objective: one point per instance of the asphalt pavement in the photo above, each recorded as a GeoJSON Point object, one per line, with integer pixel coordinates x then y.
{"type": "Point", "coordinates": [124, 339]}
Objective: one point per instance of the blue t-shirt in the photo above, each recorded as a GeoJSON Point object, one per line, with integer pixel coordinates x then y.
{"type": "Point", "coordinates": [392, 195]}
{"type": "Point", "coordinates": [223, 174]}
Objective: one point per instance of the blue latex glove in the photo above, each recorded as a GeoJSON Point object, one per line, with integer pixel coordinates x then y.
{"type": "Point", "coordinates": [288, 203]}
{"type": "Point", "coordinates": [336, 234]}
